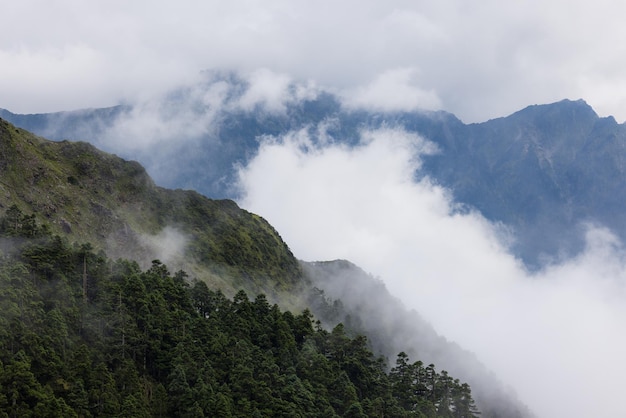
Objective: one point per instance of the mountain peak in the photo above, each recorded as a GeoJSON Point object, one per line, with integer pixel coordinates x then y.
{"type": "Point", "coordinates": [564, 108]}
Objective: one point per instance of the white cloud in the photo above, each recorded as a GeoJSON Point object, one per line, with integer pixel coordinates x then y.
{"type": "Point", "coordinates": [478, 60]}
{"type": "Point", "coordinates": [50, 72]}
{"type": "Point", "coordinates": [179, 117]}
{"type": "Point", "coordinates": [168, 246]}
{"type": "Point", "coordinates": [556, 336]}
{"type": "Point", "coordinates": [266, 88]}
{"type": "Point", "coordinates": [394, 90]}
{"type": "Point", "coordinates": [162, 120]}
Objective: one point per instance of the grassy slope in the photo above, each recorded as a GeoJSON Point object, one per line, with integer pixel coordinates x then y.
{"type": "Point", "coordinates": [87, 195]}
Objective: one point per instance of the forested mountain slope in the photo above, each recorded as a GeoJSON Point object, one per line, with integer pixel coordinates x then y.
{"type": "Point", "coordinates": [84, 336]}
{"type": "Point", "coordinates": [86, 195]}
{"type": "Point", "coordinates": [97, 204]}
{"type": "Point", "coordinates": [361, 302]}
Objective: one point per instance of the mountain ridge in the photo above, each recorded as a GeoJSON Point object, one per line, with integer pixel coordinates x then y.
{"type": "Point", "coordinates": [544, 171]}
{"type": "Point", "coordinates": [87, 195]}
{"type": "Point", "coordinates": [58, 180]}
{"type": "Point", "coordinates": [552, 168]}
{"type": "Point", "coordinates": [532, 170]}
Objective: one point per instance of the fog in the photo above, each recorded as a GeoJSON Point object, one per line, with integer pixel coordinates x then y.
{"type": "Point", "coordinates": [192, 110]}
{"type": "Point", "coordinates": [556, 336]}
{"type": "Point", "coordinates": [168, 246]}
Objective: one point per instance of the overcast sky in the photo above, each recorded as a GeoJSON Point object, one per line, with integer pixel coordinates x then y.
{"type": "Point", "coordinates": [477, 59]}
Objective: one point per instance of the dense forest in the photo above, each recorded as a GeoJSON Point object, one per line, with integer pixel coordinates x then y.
{"type": "Point", "coordinates": [83, 335]}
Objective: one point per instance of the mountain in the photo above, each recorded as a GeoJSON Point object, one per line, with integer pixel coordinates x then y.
{"type": "Point", "coordinates": [87, 195]}
{"type": "Point", "coordinates": [543, 172]}
{"type": "Point", "coordinates": [109, 207]}
{"type": "Point", "coordinates": [82, 335]}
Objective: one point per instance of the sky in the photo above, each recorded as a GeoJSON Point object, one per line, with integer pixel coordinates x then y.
{"type": "Point", "coordinates": [557, 335]}
{"type": "Point", "coordinates": [478, 60]}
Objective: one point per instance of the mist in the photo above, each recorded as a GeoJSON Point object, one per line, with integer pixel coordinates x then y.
{"type": "Point", "coordinates": [167, 246]}
{"type": "Point", "coordinates": [555, 336]}
{"type": "Point", "coordinates": [194, 109]}
{"type": "Point", "coordinates": [167, 130]}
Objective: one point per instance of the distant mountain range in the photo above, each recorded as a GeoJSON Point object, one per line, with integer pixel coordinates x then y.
{"type": "Point", "coordinates": [543, 172]}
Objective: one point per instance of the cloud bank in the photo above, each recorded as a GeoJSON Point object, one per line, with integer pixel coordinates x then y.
{"type": "Point", "coordinates": [478, 60]}
{"type": "Point", "coordinates": [393, 90]}
{"type": "Point", "coordinates": [193, 110]}
{"type": "Point", "coordinates": [555, 336]}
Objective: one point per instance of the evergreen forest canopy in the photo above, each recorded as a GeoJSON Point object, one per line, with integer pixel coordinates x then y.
{"type": "Point", "coordinates": [84, 335]}
{"type": "Point", "coordinates": [91, 197]}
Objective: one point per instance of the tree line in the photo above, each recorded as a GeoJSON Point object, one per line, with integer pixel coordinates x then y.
{"type": "Point", "coordinates": [82, 335]}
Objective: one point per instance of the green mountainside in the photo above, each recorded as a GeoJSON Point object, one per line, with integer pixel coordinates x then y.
{"type": "Point", "coordinates": [85, 334]}
{"type": "Point", "coordinates": [86, 195]}
{"type": "Point", "coordinates": [92, 322]}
